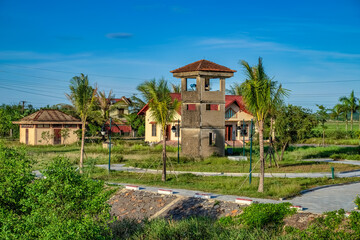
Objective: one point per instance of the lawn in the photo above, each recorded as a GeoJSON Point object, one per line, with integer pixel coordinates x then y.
{"type": "Point", "coordinates": [137, 154]}
{"type": "Point", "coordinates": [275, 188]}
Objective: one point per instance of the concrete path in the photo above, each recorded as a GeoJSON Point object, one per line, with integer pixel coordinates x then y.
{"type": "Point", "coordinates": [321, 200]}
{"type": "Point", "coordinates": [122, 167]}
{"type": "Point", "coordinates": [330, 160]}
{"type": "Point", "coordinates": [329, 199]}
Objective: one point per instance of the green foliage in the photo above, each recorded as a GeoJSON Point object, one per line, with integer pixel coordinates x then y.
{"type": "Point", "coordinates": [10, 113]}
{"type": "Point", "coordinates": [261, 215]}
{"type": "Point", "coordinates": [65, 134]}
{"type": "Point", "coordinates": [293, 124]}
{"type": "Point", "coordinates": [64, 205]}
{"type": "Point", "coordinates": [333, 225]}
{"type": "Point", "coordinates": [47, 137]}
{"type": "Point", "coordinates": [357, 201]}
{"type": "Point", "coordinates": [137, 123]}
{"type": "Point", "coordinates": [15, 175]}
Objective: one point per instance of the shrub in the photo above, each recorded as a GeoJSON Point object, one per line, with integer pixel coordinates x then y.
{"type": "Point", "coordinates": [357, 201]}
{"type": "Point", "coordinates": [267, 214]}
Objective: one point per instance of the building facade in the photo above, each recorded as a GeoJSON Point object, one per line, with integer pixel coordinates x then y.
{"type": "Point", "coordinates": [46, 127]}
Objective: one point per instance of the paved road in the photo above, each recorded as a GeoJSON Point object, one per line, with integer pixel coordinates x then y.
{"type": "Point", "coordinates": [330, 160]}
{"type": "Point", "coordinates": [122, 167]}
{"type": "Point", "coordinates": [317, 201]}
{"type": "Point", "coordinates": [329, 199]}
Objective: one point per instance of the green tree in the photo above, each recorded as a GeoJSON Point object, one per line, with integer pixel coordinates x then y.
{"type": "Point", "coordinates": [104, 103]}
{"type": "Point", "coordinates": [259, 93]}
{"type": "Point", "coordinates": [235, 89]}
{"type": "Point", "coordinates": [350, 102]}
{"type": "Point", "coordinates": [82, 96]}
{"type": "Point", "coordinates": [336, 112]}
{"type": "Point", "coordinates": [162, 108]}
{"type": "Point", "coordinates": [322, 116]}
{"type": "Point", "coordinates": [175, 88]}
{"type": "Point", "coordinates": [293, 123]}
{"type": "Point", "coordinates": [136, 122]}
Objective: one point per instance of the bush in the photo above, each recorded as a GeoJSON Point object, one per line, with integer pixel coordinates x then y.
{"type": "Point", "coordinates": [64, 205]}
{"type": "Point", "coordinates": [261, 215]}
{"type": "Point", "coordinates": [357, 202]}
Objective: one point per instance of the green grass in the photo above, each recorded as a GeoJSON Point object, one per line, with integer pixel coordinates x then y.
{"type": "Point", "coordinates": [274, 187]}
{"type": "Point", "coordinates": [292, 162]}
{"type": "Point", "coordinates": [341, 125]}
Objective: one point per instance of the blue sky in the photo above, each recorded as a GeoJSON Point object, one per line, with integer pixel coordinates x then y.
{"type": "Point", "coordinates": [311, 47]}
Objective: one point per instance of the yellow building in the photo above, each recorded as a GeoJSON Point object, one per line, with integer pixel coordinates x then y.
{"type": "Point", "coordinates": [48, 127]}
{"type": "Point", "coordinates": [235, 116]}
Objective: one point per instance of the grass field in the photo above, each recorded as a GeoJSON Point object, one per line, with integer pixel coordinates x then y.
{"type": "Point", "coordinates": [274, 187]}
{"type": "Point", "coordinates": [340, 125]}
{"type": "Point", "coordinates": [139, 155]}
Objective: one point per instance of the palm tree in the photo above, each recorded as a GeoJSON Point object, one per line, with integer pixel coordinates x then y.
{"type": "Point", "coordinates": [259, 93]}
{"type": "Point", "coordinates": [162, 108]}
{"type": "Point", "coordinates": [350, 102]}
{"type": "Point", "coordinates": [104, 102]}
{"type": "Point", "coordinates": [235, 89]}
{"type": "Point", "coordinates": [82, 97]}
{"type": "Point", "coordinates": [176, 88]}
{"type": "Point", "coordinates": [336, 112]}
{"type": "Point", "coordinates": [322, 115]}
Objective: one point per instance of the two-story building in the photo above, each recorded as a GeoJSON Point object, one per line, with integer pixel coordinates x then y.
{"type": "Point", "coordinates": [235, 117]}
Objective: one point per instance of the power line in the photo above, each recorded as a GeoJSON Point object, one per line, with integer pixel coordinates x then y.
{"type": "Point", "coordinates": [38, 94]}
{"type": "Point", "coordinates": [93, 74]}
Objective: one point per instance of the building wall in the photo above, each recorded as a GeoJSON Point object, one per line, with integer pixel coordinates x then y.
{"type": "Point", "coordinates": [36, 139]}
{"type": "Point", "coordinates": [237, 120]}
{"type": "Point", "coordinates": [148, 128]}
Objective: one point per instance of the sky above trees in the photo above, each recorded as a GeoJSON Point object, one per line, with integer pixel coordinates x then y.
{"type": "Point", "coordinates": [312, 47]}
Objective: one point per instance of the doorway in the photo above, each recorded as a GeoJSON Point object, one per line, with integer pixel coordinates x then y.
{"type": "Point", "coordinates": [228, 132]}
{"type": "Point", "coordinates": [168, 133]}
{"type": "Point", "coordinates": [57, 136]}
{"type": "Point", "coordinates": [27, 136]}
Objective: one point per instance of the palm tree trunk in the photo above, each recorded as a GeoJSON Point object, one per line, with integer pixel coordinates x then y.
{"type": "Point", "coordinates": [272, 128]}
{"type": "Point", "coordinates": [81, 165]}
{"type": "Point", "coordinates": [164, 156]}
{"type": "Point", "coordinates": [351, 119]}
{"type": "Point", "coordinates": [262, 160]}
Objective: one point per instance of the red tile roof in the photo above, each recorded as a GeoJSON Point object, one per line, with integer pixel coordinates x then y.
{"type": "Point", "coordinates": [229, 99]}
{"type": "Point", "coordinates": [203, 65]}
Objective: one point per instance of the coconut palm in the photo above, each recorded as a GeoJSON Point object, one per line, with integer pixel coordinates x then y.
{"type": "Point", "coordinates": [260, 93]}
{"type": "Point", "coordinates": [82, 96]}
{"type": "Point", "coordinates": [162, 108]}
{"type": "Point", "coordinates": [336, 112]}
{"type": "Point", "coordinates": [235, 89]}
{"type": "Point", "coordinates": [104, 102]}
{"type": "Point", "coordinates": [350, 102]}
{"type": "Point", "coordinates": [175, 88]}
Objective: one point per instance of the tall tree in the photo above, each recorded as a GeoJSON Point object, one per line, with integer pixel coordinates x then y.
{"type": "Point", "coordinates": [336, 112]}
{"type": "Point", "coordinates": [82, 96]}
{"type": "Point", "coordinates": [162, 108]}
{"type": "Point", "coordinates": [259, 93]}
{"type": "Point", "coordinates": [175, 88]}
{"type": "Point", "coordinates": [104, 102]}
{"type": "Point", "coordinates": [235, 89]}
{"type": "Point", "coordinates": [322, 115]}
{"type": "Point", "coordinates": [350, 102]}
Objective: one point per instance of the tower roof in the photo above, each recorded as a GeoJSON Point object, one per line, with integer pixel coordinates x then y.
{"type": "Point", "coordinates": [203, 65]}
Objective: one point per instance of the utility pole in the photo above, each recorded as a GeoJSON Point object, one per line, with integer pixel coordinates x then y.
{"type": "Point", "coordinates": [23, 105]}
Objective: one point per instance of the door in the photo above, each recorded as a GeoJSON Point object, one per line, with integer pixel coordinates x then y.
{"type": "Point", "coordinates": [228, 133]}
{"type": "Point", "coordinates": [27, 136]}
{"type": "Point", "coordinates": [57, 136]}
{"type": "Point", "coordinates": [168, 133]}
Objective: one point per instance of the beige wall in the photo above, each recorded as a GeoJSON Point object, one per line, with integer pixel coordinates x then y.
{"type": "Point", "coordinates": [158, 137]}
{"type": "Point", "coordinates": [35, 136]}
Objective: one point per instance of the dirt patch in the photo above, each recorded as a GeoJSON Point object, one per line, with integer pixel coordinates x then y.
{"type": "Point", "coordinates": [300, 220]}
{"type": "Point", "coordinates": [137, 204]}
{"type": "Point", "coordinates": [142, 204]}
